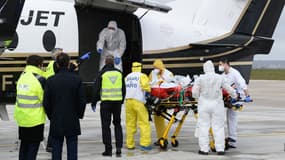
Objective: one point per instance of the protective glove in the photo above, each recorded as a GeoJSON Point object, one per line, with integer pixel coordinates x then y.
{"type": "Point", "coordinates": [117, 60]}
{"type": "Point", "coordinates": [233, 100]}
{"type": "Point", "coordinates": [147, 94]}
{"type": "Point", "coordinates": [85, 56]}
{"type": "Point", "coordinates": [100, 50]}
{"type": "Point", "coordinates": [93, 108]}
{"type": "Point", "coordinates": [247, 99]}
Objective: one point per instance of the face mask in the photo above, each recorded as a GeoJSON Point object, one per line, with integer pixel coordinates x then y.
{"type": "Point", "coordinates": [156, 71]}
{"type": "Point", "coordinates": [221, 68]}
{"type": "Point", "coordinates": [111, 31]}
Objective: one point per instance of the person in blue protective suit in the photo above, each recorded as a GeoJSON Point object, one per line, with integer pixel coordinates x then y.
{"type": "Point", "coordinates": [112, 41]}
{"type": "Point", "coordinates": [137, 85]}
{"type": "Point", "coordinates": [237, 81]}
{"type": "Point", "coordinates": [208, 90]}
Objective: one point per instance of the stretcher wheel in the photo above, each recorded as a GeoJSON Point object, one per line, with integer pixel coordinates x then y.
{"type": "Point", "coordinates": [174, 143]}
{"type": "Point", "coordinates": [163, 143]}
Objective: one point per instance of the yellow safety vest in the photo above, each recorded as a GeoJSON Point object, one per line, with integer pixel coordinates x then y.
{"type": "Point", "coordinates": [111, 86]}
{"type": "Point", "coordinates": [49, 70]}
{"type": "Point", "coordinates": [29, 111]}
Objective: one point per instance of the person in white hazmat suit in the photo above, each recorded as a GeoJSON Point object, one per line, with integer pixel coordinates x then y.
{"type": "Point", "coordinates": [237, 81]}
{"type": "Point", "coordinates": [112, 41]}
{"type": "Point", "coordinates": [208, 90]}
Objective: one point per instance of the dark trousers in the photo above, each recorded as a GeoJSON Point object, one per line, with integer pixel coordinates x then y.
{"type": "Point", "coordinates": [71, 143]}
{"type": "Point", "coordinates": [49, 141]}
{"type": "Point", "coordinates": [106, 111]}
{"type": "Point", "coordinates": [28, 150]}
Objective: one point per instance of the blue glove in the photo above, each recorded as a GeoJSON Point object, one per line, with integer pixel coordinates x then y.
{"type": "Point", "coordinates": [100, 50]}
{"type": "Point", "coordinates": [233, 100]}
{"type": "Point", "coordinates": [247, 99]}
{"type": "Point", "coordinates": [147, 94]}
{"type": "Point", "coordinates": [93, 108]}
{"type": "Point", "coordinates": [85, 56]}
{"type": "Point", "coordinates": [117, 60]}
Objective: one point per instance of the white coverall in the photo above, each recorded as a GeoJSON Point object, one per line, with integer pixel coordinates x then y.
{"type": "Point", "coordinates": [234, 78]}
{"type": "Point", "coordinates": [112, 41]}
{"type": "Point", "coordinates": [208, 89]}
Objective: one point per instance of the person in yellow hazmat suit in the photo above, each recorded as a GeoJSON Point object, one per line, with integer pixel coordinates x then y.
{"type": "Point", "coordinates": [137, 86]}
{"type": "Point", "coordinates": [158, 76]}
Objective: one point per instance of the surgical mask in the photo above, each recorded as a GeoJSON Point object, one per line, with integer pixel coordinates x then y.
{"type": "Point", "coordinates": [156, 71]}
{"type": "Point", "coordinates": [221, 68]}
{"type": "Point", "coordinates": [112, 31]}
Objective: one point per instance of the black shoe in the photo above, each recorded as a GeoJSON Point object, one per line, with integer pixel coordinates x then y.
{"type": "Point", "coordinates": [203, 153]}
{"type": "Point", "coordinates": [156, 143]}
{"type": "Point", "coordinates": [229, 143]}
{"type": "Point", "coordinates": [49, 149]}
{"type": "Point", "coordinates": [221, 153]}
{"type": "Point", "coordinates": [119, 152]}
{"type": "Point", "coordinates": [107, 153]}
{"type": "Point", "coordinates": [231, 146]}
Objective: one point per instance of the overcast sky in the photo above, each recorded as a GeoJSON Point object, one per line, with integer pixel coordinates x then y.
{"type": "Point", "coordinates": [278, 49]}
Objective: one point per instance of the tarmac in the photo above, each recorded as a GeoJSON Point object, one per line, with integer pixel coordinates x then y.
{"type": "Point", "coordinates": [261, 133]}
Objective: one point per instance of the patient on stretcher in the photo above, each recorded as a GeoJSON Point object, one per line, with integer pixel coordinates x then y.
{"type": "Point", "coordinates": [172, 88]}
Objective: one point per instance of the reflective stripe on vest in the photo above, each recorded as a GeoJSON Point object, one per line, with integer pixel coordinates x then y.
{"type": "Point", "coordinates": [27, 97]}
{"type": "Point", "coordinates": [111, 86]}
{"type": "Point", "coordinates": [22, 105]}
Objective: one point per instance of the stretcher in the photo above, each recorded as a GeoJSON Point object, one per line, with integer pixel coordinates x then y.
{"type": "Point", "coordinates": [168, 102]}
{"type": "Point", "coordinates": [176, 99]}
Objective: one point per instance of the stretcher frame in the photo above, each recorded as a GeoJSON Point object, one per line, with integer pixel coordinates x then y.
{"type": "Point", "coordinates": [182, 104]}
{"type": "Point", "coordinates": [177, 104]}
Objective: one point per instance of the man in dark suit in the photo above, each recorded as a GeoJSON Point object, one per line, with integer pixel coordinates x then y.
{"type": "Point", "coordinates": [64, 102]}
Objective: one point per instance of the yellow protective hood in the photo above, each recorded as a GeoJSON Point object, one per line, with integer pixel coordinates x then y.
{"type": "Point", "coordinates": [136, 67]}
{"type": "Point", "coordinates": [158, 64]}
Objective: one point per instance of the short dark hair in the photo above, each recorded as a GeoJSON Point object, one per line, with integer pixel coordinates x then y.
{"type": "Point", "coordinates": [62, 60]}
{"type": "Point", "coordinates": [109, 59]}
{"type": "Point", "coordinates": [225, 61]}
{"type": "Point", "coordinates": [35, 60]}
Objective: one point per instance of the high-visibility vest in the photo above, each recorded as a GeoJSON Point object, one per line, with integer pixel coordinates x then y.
{"type": "Point", "coordinates": [29, 111]}
{"type": "Point", "coordinates": [49, 70]}
{"type": "Point", "coordinates": [111, 86]}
